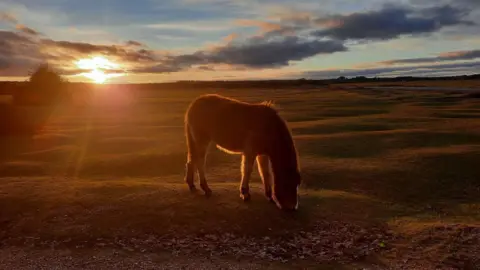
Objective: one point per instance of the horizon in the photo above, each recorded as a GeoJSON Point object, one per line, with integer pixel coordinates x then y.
{"type": "Point", "coordinates": [154, 41]}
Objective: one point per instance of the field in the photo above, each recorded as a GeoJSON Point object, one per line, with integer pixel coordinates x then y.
{"type": "Point", "coordinates": [390, 180]}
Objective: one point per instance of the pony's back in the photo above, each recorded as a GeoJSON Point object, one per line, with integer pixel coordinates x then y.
{"type": "Point", "coordinates": [228, 122]}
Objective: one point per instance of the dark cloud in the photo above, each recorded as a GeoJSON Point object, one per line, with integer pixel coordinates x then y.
{"type": "Point", "coordinates": [18, 54]}
{"type": "Point", "coordinates": [83, 48]}
{"type": "Point", "coordinates": [462, 3]}
{"type": "Point", "coordinates": [134, 43]}
{"type": "Point", "coordinates": [8, 37]}
{"type": "Point", "coordinates": [157, 68]}
{"type": "Point", "coordinates": [450, 56]}
{"type": "Point", "coordinates": [473, 3]}
{"type": "Point", "coordinates": [258, 52]}
{"type": "Point", "coordinates": [122, 52]}
{"type": "Point", "coordinates": [392, 21]}
{"type": "Point", "coordinates": [469, 67]}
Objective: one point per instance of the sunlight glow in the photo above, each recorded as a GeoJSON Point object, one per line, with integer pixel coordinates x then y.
{"type": "Point", "coordinates": [97, 67]}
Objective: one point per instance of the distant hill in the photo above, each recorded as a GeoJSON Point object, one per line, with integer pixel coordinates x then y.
{"type": "Point", "coordinates": [9, 87]}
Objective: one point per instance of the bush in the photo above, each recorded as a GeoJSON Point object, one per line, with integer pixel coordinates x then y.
{"type": "Point", "coordinates": [45, 87]}
{"type": "Point", "coordinates": [33, 103]}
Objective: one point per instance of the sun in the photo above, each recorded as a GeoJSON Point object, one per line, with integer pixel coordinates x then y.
{"type": "Point", "coordinates": [97, 76]}
{"type": "Point", "coordinates": [97, 67]}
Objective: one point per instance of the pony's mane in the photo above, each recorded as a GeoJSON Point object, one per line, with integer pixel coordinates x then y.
{"type": "Point", "coordinates": [284, 135]}
{"type": "Point", "coordinates": [268, 103]}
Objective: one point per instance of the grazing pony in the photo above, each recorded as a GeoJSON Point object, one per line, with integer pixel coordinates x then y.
{"type": "Point", "coordinates": [255, 131]}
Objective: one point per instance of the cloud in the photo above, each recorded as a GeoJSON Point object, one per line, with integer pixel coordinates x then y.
{"type": "Point", "coordinates": [279, 43]}
{"type": "Point", "coordinates": [392, 21]}
{"type": "Point", "coordinates": [449, 56]}
{"type": "Point", "coordinates": [22, 51]}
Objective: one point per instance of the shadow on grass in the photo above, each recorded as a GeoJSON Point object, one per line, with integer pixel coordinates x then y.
{"type": "Point", "coordinates": [459, 115]}
{"type": "Point", "coordinates": [340, 128]}
{"type": "Point", "coordinates": [148, 164]}
{"type": "Point", "coordinates": [326, 113]}
{"type": "Point", "coordinates": [146, 208]}
{"type": "Point", "coordinates": [363, 145]}
{"type": "Point", "coordinates": [437, 178]}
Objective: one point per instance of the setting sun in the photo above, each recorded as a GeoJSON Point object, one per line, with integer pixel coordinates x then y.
{"type": "Point", "coordinates": [97, 67]}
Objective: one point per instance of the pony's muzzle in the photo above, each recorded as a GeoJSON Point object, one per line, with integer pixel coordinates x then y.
{"type": "Point", "coordinates": [287, 207]}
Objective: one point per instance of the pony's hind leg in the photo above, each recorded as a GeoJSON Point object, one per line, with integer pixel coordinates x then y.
{"type": "Point", "coordinates": [197, 147]}
{"type": "Point", "coordinates": [190, 167]}
{"type": "Point", "coordinates": [200, 164]}
{"type": "Point", "coordinates": [263, 164]}
{"type": "Point", "coordinates": [247, 167]}
{"type": "Point", "coordinates": [190, 173]}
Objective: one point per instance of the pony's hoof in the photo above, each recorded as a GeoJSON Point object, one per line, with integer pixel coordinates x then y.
{"type": "Point", "coordinates": [192, 189]}
{"type": "Point", "coordinates": [268, 195]}
{"type": "Point", "coordinates": [208, 193]}
{"type": "Point", "coordinates": [245, 194]}
{"type": "Point", "coordinates": [245, 197]}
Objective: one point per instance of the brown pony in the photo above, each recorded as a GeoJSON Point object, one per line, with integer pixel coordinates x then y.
{"type": "Point", "coordinates": [255, 131]}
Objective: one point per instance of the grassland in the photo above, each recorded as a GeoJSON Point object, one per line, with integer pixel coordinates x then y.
{"type": "Point", "coordinates": [390, 180]}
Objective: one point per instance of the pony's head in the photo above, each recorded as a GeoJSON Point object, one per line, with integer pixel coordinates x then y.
{"type": "Point", "coordinates": [285, 189]}
{"type": "Point", "coordinates": [284, 159]}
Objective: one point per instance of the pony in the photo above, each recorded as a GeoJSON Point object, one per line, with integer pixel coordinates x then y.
{"type": "Point", "coordinates": [254, 130]}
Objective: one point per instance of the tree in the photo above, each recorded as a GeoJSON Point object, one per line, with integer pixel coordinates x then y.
{"type": "Point", "coordinates": [44, 87]}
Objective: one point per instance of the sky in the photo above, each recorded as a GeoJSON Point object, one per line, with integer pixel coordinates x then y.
{"type": "Point", "coordinates": [168, 40]}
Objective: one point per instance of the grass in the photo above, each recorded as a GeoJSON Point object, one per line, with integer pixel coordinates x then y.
{"type": "Point", "coordinates": [114, 170]}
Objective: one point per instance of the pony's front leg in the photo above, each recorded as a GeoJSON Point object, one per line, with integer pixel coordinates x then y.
{"type": "Point", "coordinates": [263, 163]}
{"type": "Point", "coordinates": [247, 167]}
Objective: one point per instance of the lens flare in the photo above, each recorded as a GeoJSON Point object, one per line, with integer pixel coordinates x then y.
{"type": "Point", "coordinates": [97, 67]}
